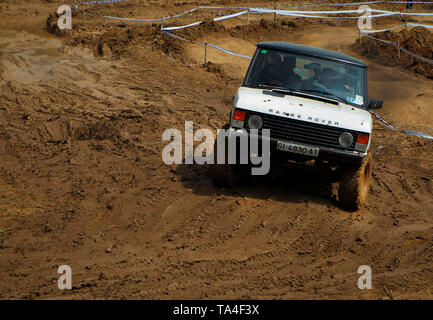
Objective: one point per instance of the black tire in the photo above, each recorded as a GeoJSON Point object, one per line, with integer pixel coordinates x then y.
{"type": "Point", "coordinates": [224, 175]}
{"type": "Point", "coordinates": [327, 173]}
{"type": "Point", "coordinates": [355, 184]}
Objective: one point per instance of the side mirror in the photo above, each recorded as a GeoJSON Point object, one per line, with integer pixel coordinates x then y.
{"type": "Point", "coordinates": [375, 104]}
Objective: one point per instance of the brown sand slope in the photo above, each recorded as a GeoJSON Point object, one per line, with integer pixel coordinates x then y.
{"type": "Point", "coordinates": [417, 40]}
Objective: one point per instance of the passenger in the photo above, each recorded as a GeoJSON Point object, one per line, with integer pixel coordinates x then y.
{"type": "Point", "coordinates": [333, 80]}
{"type": "Point", "coordinates": [328, 78]}
{"type": "Point", "coordinates": [345, 85]}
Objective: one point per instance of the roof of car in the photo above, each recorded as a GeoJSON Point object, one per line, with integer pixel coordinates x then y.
{"type": "Point", "coordinates": [311, 51]}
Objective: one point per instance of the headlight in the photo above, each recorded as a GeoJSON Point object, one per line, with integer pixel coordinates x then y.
{"type": "Point", "coordinates": [255, 122]}
{"type": "Point", "coordinates": [345, 139]}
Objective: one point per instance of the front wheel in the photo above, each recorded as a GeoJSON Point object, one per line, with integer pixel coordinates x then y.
{"type": "Point", "coordinates": [355, 184]}
{"type": "Point", "coordinates": [225, 175]}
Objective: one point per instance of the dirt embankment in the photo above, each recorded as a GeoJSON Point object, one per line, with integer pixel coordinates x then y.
{"type": "Point", "coordinates": [418, 40]}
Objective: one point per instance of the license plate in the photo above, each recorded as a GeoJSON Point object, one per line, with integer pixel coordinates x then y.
{"type": "Point", "coordinates": [297, 148]}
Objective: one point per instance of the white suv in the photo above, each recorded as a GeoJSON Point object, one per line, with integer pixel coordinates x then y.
{"type": "Point", "coordinates": [315, 104]}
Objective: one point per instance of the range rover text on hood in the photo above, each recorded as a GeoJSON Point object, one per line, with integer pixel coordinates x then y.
{"type": "Point", "coordinates": [305, 109]}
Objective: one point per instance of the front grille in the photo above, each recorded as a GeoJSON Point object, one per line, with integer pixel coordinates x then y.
{"type": "Point", "coordinates": [304, 132]}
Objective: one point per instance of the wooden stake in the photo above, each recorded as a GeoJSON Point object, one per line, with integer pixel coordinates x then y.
{"type": "Point", "coordinates": [205, 53]}
{"type": "Point", "coordinates": [248, 16]}
{"type": "Point", "coordinates": [398, 43]}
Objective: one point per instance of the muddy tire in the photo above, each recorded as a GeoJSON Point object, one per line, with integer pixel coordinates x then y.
{"type": "Point", "coordinates": [327, 173]}
{"type": "Point", "coordinates": [224, 175]}
{"type": "Point", "coordinates": [355, 184]}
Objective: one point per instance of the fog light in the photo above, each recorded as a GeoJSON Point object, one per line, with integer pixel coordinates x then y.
{"type": "Point", "coordinates": [345, 139]}
{"type": "Point", "coordinates": [255, 122]}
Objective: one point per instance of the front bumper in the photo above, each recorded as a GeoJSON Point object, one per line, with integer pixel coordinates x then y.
{"type": "Point", "coordinates": [325, 154]}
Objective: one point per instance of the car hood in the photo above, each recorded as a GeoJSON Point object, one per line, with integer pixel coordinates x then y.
{"type": "Point", "coordinates": [306, 109]}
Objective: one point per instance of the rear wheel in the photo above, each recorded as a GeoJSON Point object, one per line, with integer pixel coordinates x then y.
{"type": "Point", "coordinates": [355, 184]}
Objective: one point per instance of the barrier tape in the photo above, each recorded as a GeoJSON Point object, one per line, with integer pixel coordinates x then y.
{"type": "Point", "coordinates": [268, 10]}
{"type": "Point", "coordinates": [402, 49]}
{"type": "Point", "coordinates": [402, 25]}
{"type": "Point", "coordinates": [256, 10]}
{"type": "Point", "coordinates": [413, 133]}
{"type": "Point", "coordinates": [177, 37]}
{"type": "Point", "coordinates": [278, 11]}
{"type": "Point", "coordinates": [208, 44]}
{"type": "Point", "coordinates": [231, 16]}
{"type": "Point", "coordinates": [98, 2]}
{"type": "Point", "coordinates": [295, 13]}
{"type": "Point", "coordinates": [327, 4]}
{"type": "Point", "coordinates": [427, 60]}
{"type": "Point", "coordinates": [415, 2]}
{"type": "Point", "coordinates": [182, 27]}
{"type": "Point", "coordinates": [199, 22]}
{"type": "Point", "coordinates": [337, 4]}
{"type": "Point", "coordinates": [383, 30]}
{"type": "Point", "coordinates": [382, 13]}
{"type": "Point", "coordinates": [223, 8]}
{"type": "Point", "coordinates": [327, 17]}
{"type": "Point", "coordinates": [228, 51]}
{"type": "Point", "coordinates": [358, 3]}
{"type": "Point", "coordinates": [419, 25]}
{"type": "Point", "coordinates": [303, 14]}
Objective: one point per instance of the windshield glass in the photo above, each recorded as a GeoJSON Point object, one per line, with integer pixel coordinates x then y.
{"type": "Point", "coordinates": [286, 70]}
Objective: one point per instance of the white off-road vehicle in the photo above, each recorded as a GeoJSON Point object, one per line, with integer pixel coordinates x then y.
{"type": "Point", "coordinates": [315, 104]}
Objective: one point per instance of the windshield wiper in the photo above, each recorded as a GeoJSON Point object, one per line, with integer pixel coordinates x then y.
{"type": "Point", "coordinates": [283, 90]}
{"type": "Point", "coordinates": [332, 96]}
{"type": "Point", "coordinates": [274, 88]}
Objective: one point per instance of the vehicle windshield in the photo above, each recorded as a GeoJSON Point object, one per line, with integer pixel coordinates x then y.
{"type": "Point", "coordinates": [294, 72]}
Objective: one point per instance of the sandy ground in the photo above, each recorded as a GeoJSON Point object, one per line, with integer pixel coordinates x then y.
{"type": "Point", "coordinates": [82, 181]}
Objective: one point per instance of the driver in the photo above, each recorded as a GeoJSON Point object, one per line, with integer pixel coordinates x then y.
{"type": "Point", "coordinates": [291, 78]}
{"type": "Point", "coordinates": [272, 74]}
